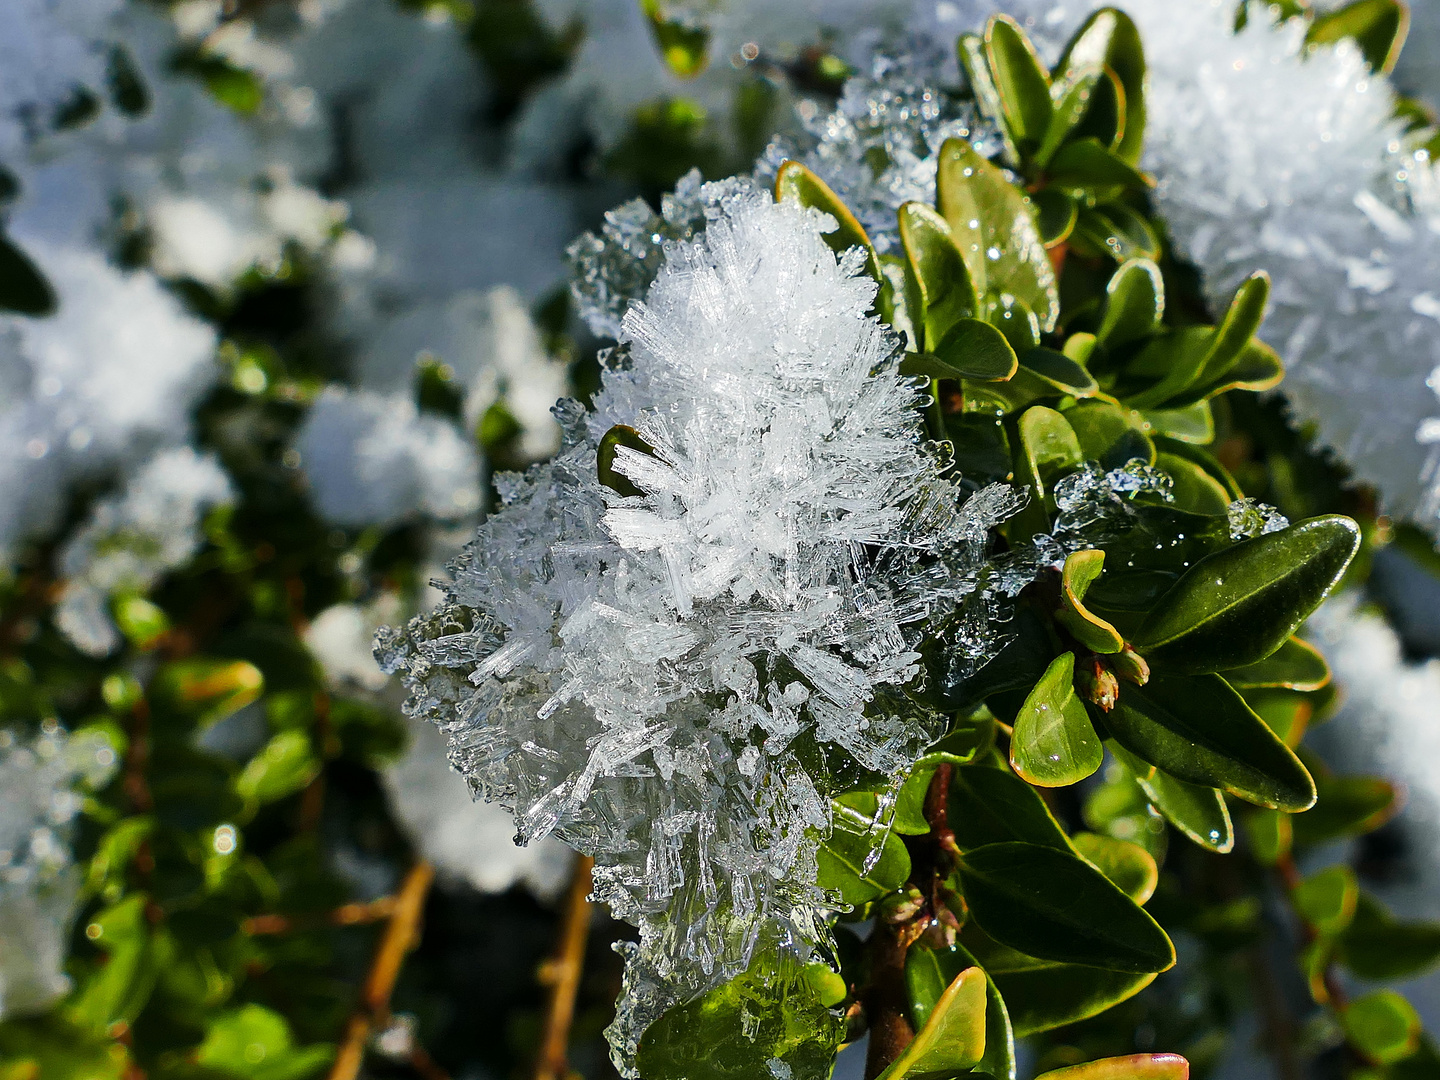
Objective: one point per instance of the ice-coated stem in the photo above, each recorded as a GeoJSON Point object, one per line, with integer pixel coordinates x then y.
{"type": "Point", "coordinates": [562, 973]}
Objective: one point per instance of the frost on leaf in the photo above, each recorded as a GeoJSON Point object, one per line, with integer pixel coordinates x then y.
{"type": "Point", "coordinates": [675, 681]}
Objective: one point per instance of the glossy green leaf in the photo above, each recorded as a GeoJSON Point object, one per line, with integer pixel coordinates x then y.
{"type": "Point", "coordinates": [1129, 1067]}
{"type": "Point", "coordinates": [1020, 80]}
{"type": "Point", "coordinates": [1383, 1026]}
{"type": "Point", "coordinates": [1379, 27]}
{"type": "Point", "coordinates": [795, 183]}
{"type": "Point", "coordinates": [845, 855]}
{"type": "Point", "coordinates": [947, 291]}
{"type": "Point", "coordinates": [929, 973]}
{"type": "Point", "coordinates": [1258, 368]}
{"type": "Point", "coordinates": [1134, 303]}
{"type": "Point", "coordinates": [971, 52]}
{"type": "Point", "coordinates": [1194, 489]}
{"type": "Point", "coordinates": [1378, 946]}
{"type": "Point", "coordinates": [1073, 95]}
{"type": "Point", "coordinates": [993, 224]}
{"type": "Point", "coordinates": [1049, 447]}
{"type": "Point", "coordinates": [1109, 434]}
{"type": "Point", "coordinates": [1236, 607]}
{"type": "Point", "coordinates": [1053, 905]}
{"type": "Point", "coordinates": [989, 806]}
{"type": "Point", "coordinates": [1110, 37]}
{"type": "Point", "coordinates": [1201, 458]}
{"type": "Point", "coordinates": [1059, 371]}
{"type": "Point", "coordinates": [1230, 343]}
{"type": "Point", "coordinates": [1085, 163]}
{"type": "Point", "coordinates": [1013, 318]}
{"type": "Point", "coordinates": [771, 1012]}
{"type": "Point", "coordinates": [1190, 424]}
{"type": "Point", "coordinates": [1129, 866]}
{"type": "Point", "coordinates": [1055, 215]}
{"type": "Point", "coordinates": [1080, 570]}
{"type": "Point", "coordinates": [1200, 730]}
{"type": "Point", "coordinates": [1346, 806]}
{"type": "Point", "coordinates": [1327, 898]}
{"type": "Point", "coordinates": [1114, 230]}
{"type": "Point", "coordinates": [952, 1039]}
{"type": "Point", "coordinates": [1198, 812]}
{"type": "Point", "coordinates": [286, 764]}
{"type": "Point", "coordinates": [972, 349]}
{"type": "Point", "coordinates": [614, 445]}
{"type": "Point", "coordinates": [1054, 744]}
{"type": "Point", "coordinates": [23, 288]}
{"type": "Point", "coordinates": [1043, 997]}
{"type": "Point", "coordinates": [254, 1043]}
{"type": "Point", "coordinates": [1296, 665]}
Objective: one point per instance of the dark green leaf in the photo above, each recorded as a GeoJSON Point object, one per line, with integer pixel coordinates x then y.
{"type": "Point", "coordinates": [1021, 82]}
{"type": "Point", "coordinates": [1346, 806]}
{"type": "Point", "coordinates": [988, 806]}
{"type": "Point", "coordinates": [1113, 229]}
{"type": "Point", "coordinates": [947, 292]}
{"type": "Point", "coordinates": [1198, 729]}
{"type": "Point", "coordinates": [1128, 865]}
{"type": "Point", "coordinates": [1134, 303]}
{"type": "Point", "coordinates": [1055, 215]}
{"type": "Point", "coordinates": [771, 1012]}
{"type": "Point", "coordinates": [952, 1039]}
{"type": "Point", "coordinates": [1053, 905]}
{"type": "Point", "coordinates": [1110, 37]}
{"type": "Point", "coordinates": [1198, 812]}
{"type": "Point", "coordinates": [616, 443]}
{"type": "Point", "coordinates": [843, 857]}
{"type": "Point", "coordinates": [1383, 1026]}
{"type": "Point", "coordinates": [1377, 946]}
{"type": "Point", "coordinates": [1296, 665]}
{"type": "Point", "coordinates": [1194, 489]}
{"type": "Point", "coordinates": [1073, 94]}
{"type": "Point", "coordinates": [23, 287]}
{"type": "Point", "coordinates": [1049, 447]}
{"type": "Point", "coordinates": [283, 767]}
{"type": "Point", "coordinates": [1191, 424]}
{"type": "Point", "coordinates": [972, 349]}
{"type": "Point", "coordinates": [929, 972]}
{"type": "Point", "coordinates": [1236, 607]}
{"type": "Point", "coordinates": [993, 224]}
{"type": "Point", "coordinates": [1061, 372]}
{"type": "Point", "coordinates": [1054, 744]}
{"type": "Point", "coordinates": [1015, 667]}
{"type": "Point", "coordinates": [1109, 434]}
{"type": "Point", "coordinates": [1085, 163]}
{"type": "Point", "coordinates": [1379, 27]}
{"type": "Point", "coordinates": [1013, 318]}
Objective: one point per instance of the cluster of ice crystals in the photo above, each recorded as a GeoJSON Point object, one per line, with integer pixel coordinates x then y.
{"type": "Point", "coordinates": [1250, 518]}
{"type": "Point", "coordinates": [41, 780]}
{"type": "Point", "coordinates": [374, 459]}
{"type": "Point", "coordinates": [131, 540]}
{"type": "Point", "coordinates": [645, 676]}
{"type": "Point", "coordinates": [879, 147]}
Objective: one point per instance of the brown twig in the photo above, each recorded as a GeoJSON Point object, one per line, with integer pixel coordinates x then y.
{"type": "Point", "coordinates": [400, 937]}
{"type": "Point", "coordinates": [357, 914]}
{"type": "Point", "coordinates": [562, 974]}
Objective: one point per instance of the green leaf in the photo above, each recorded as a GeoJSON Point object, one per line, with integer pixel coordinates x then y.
{"type": "Point", "coordinates": [1383, 1026]}
{"type": "Point", "coordinates": [1015, 667]}
{"type": "Point", "coordinates": [1110, 37]}
{"type": "Point", "coordinates": [1197, 811]}
{"type": "Point", "coordinates": [1191, 424]}
{"type": "Point", "coordinates": [1130, 1067]}
{"type": "Point", "coordinates": [620, 438]}
{"type": "Point", "coordinates": [685, 47]}
{"type": "Point", "coordinates": [285, 765]}
{"type": "Point", "coordinates": [1043, 997]}
{"type": "Point", "coordinates": [1296, 665]}
{"type": "Point", "coordinates": [1050, 449]}
{"type": "Point", "coordinates": [989, 805]}
{"type": "Point", "coordinates": [1109, 434]}
{"type": "Point", "coordinates": [1194, 489]}
{"type": "Point", "coordinates": [1239, 605]}
{"type": "Point", "coordinates": [993, 225]}
{"type": "Point", "coordinates": [1115, 230]}
{"type": "Point", "coordinates": [1013, 318]}
{"type": "Point", "coordinates": [1231, 340]}
{"type": "Point", "coordinates": [1021, 82]}
{"type": "Point", "coordinates": [1271, 835]}
{"type": "Point", "coordinates": [1129, 866]}
{"type": "Point", "coordinates": [253, 1043]}
{"type": "Point", "coordinates": [1085, 164]}
{"type": "Point", "coordinates": [1327, 899]}
{"type": "Point", "coordinates": [1134, 303]}
{"type": "Point", "coordinates": [206, 689]}
{"type": "Point", "coordinates": [1198, 729]}
{"type": "Point", "coordinates": [795, 183]}
{"type": "Point", "coordinates": [970, 349]}
{"type": "Point", "coordinates": [771, 1012]}
{"type": "Point", "coordinates": [1258, 368]}
{"type": "Point", "coordinates": [1054, 744]}
{"type": "Point", "coordinates": [899, 302]}
{"type": "Point", "coordinates": [1072, 94]}
{"type": "Point", "coordinates": [851, 847]}
{"type": "Point", "coordinates": [1080, 570]}
{"type": "Point", "coordinates": [121, 988]}
{"type": "Point", "coordinates": [1379, 27]}
{"type": "Point", "coordinates": [1377, 946]}
{"type": "Point", "coordinates": [976, 65]}
{"type": "Point", "coordinates": [1346, 806]}
{"type": "Point", "coordinates": [1059, 371]}
{"type": "Point", "coordinates": [1053, 905]}
{"type": "Point", "coordinates": [1055, 215]}
{"type": "Point", "coordinates": [23, 287]}
{"type": "Point", "coordinates": [1201, 458]}
{"type": "Point", "coordinates": [929, 973]}
{"type": "Point", "coordinates": [947, 291]}
{"type": "Point", "coordinates": [952, 1039]}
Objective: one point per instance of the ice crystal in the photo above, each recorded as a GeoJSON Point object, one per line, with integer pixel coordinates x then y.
{"type": "Point", "coordinates": [130, 541]}
{"type": "Point", "coordinates": [374, 459]}
{"type": "Point", "coordinates": [1250, 518]}
{"type": "Point", "coordinates": [645, 676]}
{"type": "Point", "coordinates": [41, 781]}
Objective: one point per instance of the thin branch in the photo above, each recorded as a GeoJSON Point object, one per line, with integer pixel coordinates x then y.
{"type": "Point", "coordinates": [399, 938]}
{"type": "Point", "coordinates": [357, 914]}
{"type": "Point", "coordinates": [562, 974]}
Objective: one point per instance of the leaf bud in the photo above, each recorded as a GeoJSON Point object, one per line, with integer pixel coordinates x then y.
{"type": "Point", "coordinates": [1130, 666]}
